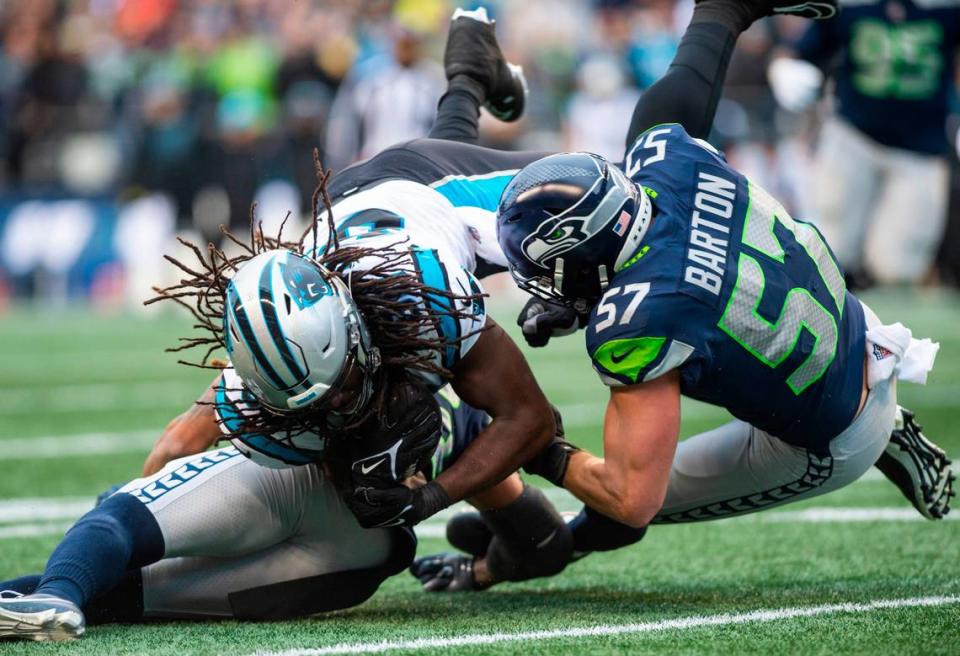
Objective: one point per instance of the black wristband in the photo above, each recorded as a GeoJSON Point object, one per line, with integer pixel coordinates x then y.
{"type": "Point", "coordinates": [428, 500]}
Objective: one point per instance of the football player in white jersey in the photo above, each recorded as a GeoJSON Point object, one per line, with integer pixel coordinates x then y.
{"type": "Point", "coordinates": [337, 349]}
{"type": "Point", "coordinates": [217, 535]}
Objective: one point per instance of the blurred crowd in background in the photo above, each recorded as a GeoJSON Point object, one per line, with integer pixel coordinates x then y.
{"type": "Point", "coordinates": [126, 122]}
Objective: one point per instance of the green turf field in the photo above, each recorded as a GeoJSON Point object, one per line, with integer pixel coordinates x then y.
{"type": "Point", "coordinates": [858, 571]}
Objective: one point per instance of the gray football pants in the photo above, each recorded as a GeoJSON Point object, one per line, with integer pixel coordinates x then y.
{"type": "Point", "coordinates": [738, 469]}
{"type": "Point", "coordinates": [230, 525]}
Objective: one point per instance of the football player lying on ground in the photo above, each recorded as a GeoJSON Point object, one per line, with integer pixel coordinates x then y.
{"type": "Point", "coordinates": [337, 351]}
{"type": "Point", "coordinates": [218, 535]}
{"type": "Point", "coordinates": [697, 282]}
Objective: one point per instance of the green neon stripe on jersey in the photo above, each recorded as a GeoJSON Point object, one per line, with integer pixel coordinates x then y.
{"type": "Point", "coordinates": [633, 260]}
{"type": "Point", "coordinates": [628, 357]}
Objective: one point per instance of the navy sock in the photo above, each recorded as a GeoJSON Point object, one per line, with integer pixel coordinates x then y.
{"type": "Point", "coordinates": [118, 535]}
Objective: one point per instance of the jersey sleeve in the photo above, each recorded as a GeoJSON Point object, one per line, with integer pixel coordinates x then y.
{"type": "Point", "coordinates": [630, 338]}
{"type": "Point", "coordinates": [461, 424]}
{"type": "Point", "coordinates": [459, 322]}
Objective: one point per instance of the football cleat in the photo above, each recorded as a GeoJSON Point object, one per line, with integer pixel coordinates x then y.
{"type": "Point", "coordinates": [815, 9]}
{"type": "Point", "coordinates": [918, 467]}
{"type": "Point", "coordinates": [39, 617]}
{"type": "Point", "coordinates": [472, 50]}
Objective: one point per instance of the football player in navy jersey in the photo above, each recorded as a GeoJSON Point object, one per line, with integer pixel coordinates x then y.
{"type": "Point", "coordinates": [881, 169]}
{"type": "Point", "coordinates": [692, 280]}
{"type": "Point", "coordinates": [698, 283]}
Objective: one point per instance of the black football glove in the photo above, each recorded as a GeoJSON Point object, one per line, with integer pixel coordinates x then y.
{"type": "Point", "coordinates": [552, 462]}
{"type": "Point", "coordinates": [377, 503]}
{"type": "Point", "coordinates": [402, 441]}
{"type": "Point", "coordinates": [540, 321]}
{"type": "Point", "coordinates": [446, 572]}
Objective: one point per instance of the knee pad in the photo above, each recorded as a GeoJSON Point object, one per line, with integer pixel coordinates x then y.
{"type": "Point", "coordinates": [530, 538]}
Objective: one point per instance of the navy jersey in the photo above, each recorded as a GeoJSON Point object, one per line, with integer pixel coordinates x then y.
{"type": "Point", "coordinates": [746, 302]}
{"type": "Point", "coordinates": [895, 69]}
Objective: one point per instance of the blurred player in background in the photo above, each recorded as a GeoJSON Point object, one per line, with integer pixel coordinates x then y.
{"type": "Point", "coordinates": [881, 166]}
{"type": "Point", "coordinates": [383, 102]}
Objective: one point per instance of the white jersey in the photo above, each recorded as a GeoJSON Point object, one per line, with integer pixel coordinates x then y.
{"type": "Point", "coordinates": [427, 216]}
{"type": "Point", "coordinates": [458, 324]}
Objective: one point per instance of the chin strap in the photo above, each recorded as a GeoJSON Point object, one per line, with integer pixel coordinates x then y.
{"type": "Point", "coordinates": [558, 276]}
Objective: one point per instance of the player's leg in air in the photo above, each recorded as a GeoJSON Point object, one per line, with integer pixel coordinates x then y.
{"type": "Point", "coordinates": [478, 75]}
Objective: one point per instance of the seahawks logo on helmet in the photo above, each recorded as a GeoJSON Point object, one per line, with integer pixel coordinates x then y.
{"type": "Point", "coordinates": [566, 231]}
{"type": "Point", "coordinates": [554, 237]}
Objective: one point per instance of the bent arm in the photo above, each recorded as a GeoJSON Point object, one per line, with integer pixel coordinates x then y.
{"type": "Point", "coordinates": [194, 431]}
{"type": "Point", "coordinates": [640, 433]}
{"type": "Point", "coordinates": [496, 378]}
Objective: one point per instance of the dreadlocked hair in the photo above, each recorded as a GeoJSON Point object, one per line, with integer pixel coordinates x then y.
{"type": "Point", "coordinates": [401, 313]}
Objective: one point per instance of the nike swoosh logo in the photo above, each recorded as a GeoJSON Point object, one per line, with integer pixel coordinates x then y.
{"type": "Point", "coordinates": [617, 358]}
{"type": "Point", "coordinates": [366, 470]}
{"type": "Point", "coordinates": [546, 540]}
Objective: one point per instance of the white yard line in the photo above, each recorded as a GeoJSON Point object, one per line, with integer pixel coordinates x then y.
{"type": "Point", "coordinates": [43, 508]}
{"type": "Point", "coordinates": [33, 530]}
{"type": "Point", "coordinates": [607, 630]}
{"type": "Point", "coordinates": [94, 397]}
{"type": "Point", "coordinates": [86, 444]}
{"type": "Point", "coordinates": [32, 517]}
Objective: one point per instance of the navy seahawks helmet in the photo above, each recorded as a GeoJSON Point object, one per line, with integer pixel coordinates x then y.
{"type": "Point", "coordinates": [567, 223]}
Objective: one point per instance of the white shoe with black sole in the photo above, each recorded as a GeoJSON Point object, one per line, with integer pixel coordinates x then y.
{"type": "Point", "coordinates": [918, 467]}
{"type": "Point", "coordinates": [39, 617]}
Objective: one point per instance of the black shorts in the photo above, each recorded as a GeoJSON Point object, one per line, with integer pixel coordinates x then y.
{"type": "Point", "coordinates": [427, 161]}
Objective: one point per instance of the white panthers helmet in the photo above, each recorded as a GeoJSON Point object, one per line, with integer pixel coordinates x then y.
{"type": "Point", "coordinates": [293, 332]}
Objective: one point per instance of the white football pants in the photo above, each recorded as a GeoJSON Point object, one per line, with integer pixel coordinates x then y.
{"type": "Point", "coordinates": [879, 207]}
{"type": "Point", "coordinates": [231, 525]}
{"type": "Point", "coordinates": [738, 469]}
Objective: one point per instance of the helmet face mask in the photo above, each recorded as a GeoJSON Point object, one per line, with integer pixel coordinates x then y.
{"type": "Point", "coordinates": [567, 223]}
{"type": "Point", "coordinates": [294, 334]}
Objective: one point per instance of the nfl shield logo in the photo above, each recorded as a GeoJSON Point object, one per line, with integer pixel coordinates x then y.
{"type": "Point", "coordinates": [620, 226]}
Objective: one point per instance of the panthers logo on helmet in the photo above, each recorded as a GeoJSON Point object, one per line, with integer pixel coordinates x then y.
{"type": "Point", "coordinates": [304, 282]}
